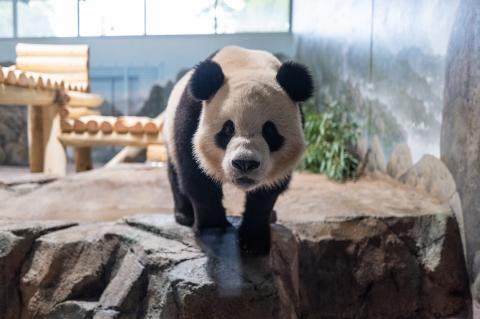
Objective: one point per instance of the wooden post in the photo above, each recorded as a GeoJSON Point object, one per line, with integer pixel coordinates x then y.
{"type": "Point", "coordinates": [35, 138]}
{"type": "Point", "coordinates": [83, 159]}
{"type": "Point", "coordinates": [55, 157]}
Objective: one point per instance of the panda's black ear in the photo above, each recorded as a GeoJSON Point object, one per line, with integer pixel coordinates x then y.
{"type": "Point", "coordinates": [296, 80]}
{"type": "Point", "coordinates": [206, 80]}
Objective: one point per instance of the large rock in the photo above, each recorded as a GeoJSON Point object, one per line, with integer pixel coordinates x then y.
{"type": "Point", "coordinates": [460, 134]}
{"type": "Point", "coordinates": [400, 161]}
{"type": "Point", "coordinates": [376, 158]}
{"type": "Point", "coordinates": [149, 267]}
{"type": "Point", "coordinates": [145, 267]}
{"type": "Point", "coordinates": [430, 175]}
{"type": "Point", "coordinates": [13, 135]}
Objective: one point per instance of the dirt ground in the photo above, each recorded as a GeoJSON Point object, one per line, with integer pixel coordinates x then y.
{"type": "Point", "coordinates": [109, 194]}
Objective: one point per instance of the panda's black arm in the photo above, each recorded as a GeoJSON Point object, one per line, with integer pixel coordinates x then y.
{"type": "Point", "coordinates": [254, 233]}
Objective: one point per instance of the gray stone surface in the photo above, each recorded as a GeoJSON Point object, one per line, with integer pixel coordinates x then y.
{"type": "Point", "coordinates": [430, 175]}
{"type": "Point", "coordinates": [13, 135]}
{"type": "Point", "coordinates": [400, 161]}
{"type": "Point", "coordinates": [147, 266]}
{"type": "Point", "coordinates": [460, 133]}
{"type": "Point", "coordinates": [376, 158]}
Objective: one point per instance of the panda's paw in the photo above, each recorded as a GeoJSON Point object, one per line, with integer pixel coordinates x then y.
{"type": "Point", "coordinates": [254, 241]}
{"type": "Point", "coordinates": [184, 219]}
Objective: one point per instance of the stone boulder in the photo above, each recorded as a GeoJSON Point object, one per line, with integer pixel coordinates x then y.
{"type": "Point", "coordinates": [400, 161]}
{"type": "Point", "coordinates": [460, 132]}
{"type": "Point", "coordinates": [13, 135]}
{"type": "Point", "coordinates": [375, 161]}
{"type": "Point", "coordinates": [149, 267]}
{"type": "Point", "coordinates": [430, 175]}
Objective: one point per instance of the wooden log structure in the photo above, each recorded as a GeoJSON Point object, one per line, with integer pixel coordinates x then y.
{"type": "Point", "coordinates": [78, 139]}
{"type": "Point", "coordinates": [27, 49]}
{"type": "Point", "coordinates": [14, 95]}
{"type": "Point", "coordinates": [130, 152]}
{"type": "Point", "coordinates": [53, 81]}
{"type": "Point", "coordinates": [157, 153]}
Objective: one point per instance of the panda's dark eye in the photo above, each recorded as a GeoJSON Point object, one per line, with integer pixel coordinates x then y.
{"type": "Point", "coordinates": [225, 135]}
{"type": "Point", "coordinates": [228, 128]}
{"type": "Point", "coordinates": [272, 137]}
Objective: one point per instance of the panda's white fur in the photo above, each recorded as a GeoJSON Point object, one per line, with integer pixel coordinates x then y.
{"type": "Point", "coordinates": [249, 97]}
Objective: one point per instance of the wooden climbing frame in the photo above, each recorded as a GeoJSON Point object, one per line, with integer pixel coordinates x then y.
{"type": "Point", "coordinates": [53, 80]}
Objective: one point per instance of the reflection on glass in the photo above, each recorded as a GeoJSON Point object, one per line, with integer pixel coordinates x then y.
{"type": "Point", "coordinates": [6, 19]}
{"type": "Point", "coordinates": [235, 16]}
{"type": "Point", "coordinates": [180, 17]}
{"type": "Point", "coordinates": [111, 17]}
{"type": "Point", "coordinates": [47, 18]}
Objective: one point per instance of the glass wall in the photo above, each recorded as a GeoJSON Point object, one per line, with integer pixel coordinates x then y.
{"type": "Point", "coordinates": [111, 17]}
{"type": "Point", "coordinates": [6, 19]}
{"type": "Point", "coordinates": [71, 18]}
{"type": "Point", "coordinates": [382, 60]}
{"type": "Point", "coordinates": [47, 18]}
{"type": "Point", "coordinates": [180, 17]}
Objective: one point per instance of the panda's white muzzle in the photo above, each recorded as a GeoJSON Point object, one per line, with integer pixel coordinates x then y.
{"type": "Point", "coordinates": [246, 162]}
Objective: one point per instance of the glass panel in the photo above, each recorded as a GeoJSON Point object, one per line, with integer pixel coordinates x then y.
{"type": "Point", "coordinates": [253, 16]}
{"type": "Point", "coordinates": [6, 19]}
{"type": "Point", "coordinates": [47, 18]}
{"type": "Point", "coordinates": [180, 17]}
{"type": "Point", "coordinates": [111, 17]}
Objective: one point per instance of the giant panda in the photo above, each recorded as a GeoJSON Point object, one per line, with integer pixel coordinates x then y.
{"type": "Point", "coordinates": [235, 119]}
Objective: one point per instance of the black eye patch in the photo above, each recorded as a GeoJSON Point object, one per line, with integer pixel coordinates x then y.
{"type": "Point", "coordinates": [225, 135]}
{"type": "Point", "coordinates": [272, 137]}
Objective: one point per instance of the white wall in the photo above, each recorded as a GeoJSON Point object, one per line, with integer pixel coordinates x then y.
{"type": "Point", "coordinates": [170, 52]}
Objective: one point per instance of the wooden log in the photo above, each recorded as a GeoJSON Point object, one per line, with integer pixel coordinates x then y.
{"type": "Point", "coordinates": [151, 128]}
{"type": "Point", "coordinates": [120, 127]}
{"type": "Point", "coordinates": [16, 77]}
{"type": "Point", "coordinates": [66, 126]}
{"type": "Point", "coordinates": [2, 75]}
{"type": "Point", "coordinates": [63, 112]}
{"type": "Point", "coordinates": [131, 151]}
{"type": "Point", "coordinates": [101, 139]}
{"type": "Point", "coordinates": [55, 156]}
{"type": "Point", "coordinates": [51, 64]}
{"type": "Point", "coordinates": [73, 77]}
{"type": "Point", "coordinates": [157, 153]}
{"type": "Point", "coordinates": [83, 159]}
{"type": "Point", "coordinates": [13, 95]}
{"type": "Point", "coordinates": [92, 127]}
{"type": "Point", "coordinates": [80, 99]}
{"type": "Point", "coordinates": [35, 138]}
{"type": "Point", "coordinates": [137, 128]}
{"type": "Point", "coordinates": [106, 127]}
{"type": "Point", "coordinates": [79, 127]}
{"type": "Point", "coordinates": [25, 49]}
{"type": "Point", "coordinates": [78, 112]}
{"type": "Point", "coordinates": [127, 153]}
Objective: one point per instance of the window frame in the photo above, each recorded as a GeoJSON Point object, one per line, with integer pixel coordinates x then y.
{"type": "Point", "coordinates": [145, 34]}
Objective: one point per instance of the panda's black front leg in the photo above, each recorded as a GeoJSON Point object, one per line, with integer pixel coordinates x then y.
{"type": "Point", "coordinates": [205, 196]}
{"type": "Point", "coordinates": [254, 232]}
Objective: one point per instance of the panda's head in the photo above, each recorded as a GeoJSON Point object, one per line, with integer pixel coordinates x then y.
{"type": "Point", "coordinates": [250, 131]}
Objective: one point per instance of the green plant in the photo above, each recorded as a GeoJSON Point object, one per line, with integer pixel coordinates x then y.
{"type": "Point", "coordinates": [330, 135]}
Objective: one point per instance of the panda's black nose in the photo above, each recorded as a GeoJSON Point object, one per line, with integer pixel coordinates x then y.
{"type": "Point", "coordinates": [245, 165]}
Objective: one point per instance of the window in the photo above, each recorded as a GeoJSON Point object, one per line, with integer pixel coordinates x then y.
{"type": "Point", "coordinates": [6, 18]}
{"type": "Point", "coordinates": [235, 16]}
{"type": "Point", "coordinates": [221, 16]}
{"type": "Point", "coordinates": [111, 17]}
{"type": "Point", "coordinates": [47, 18]}
{"type": "Point", "coordinates": [180, 17]}
{"type": "Point", "coordinates": [71, 18]}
